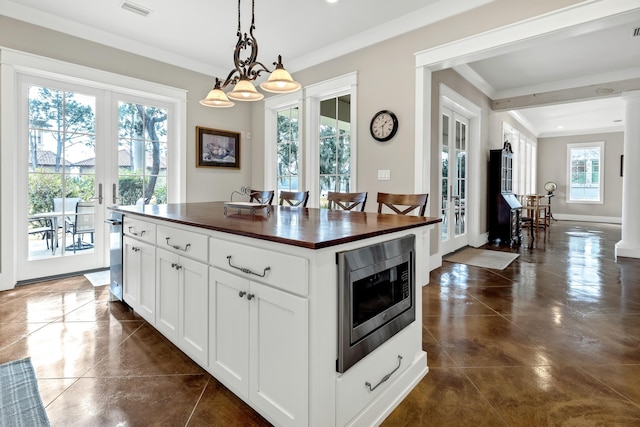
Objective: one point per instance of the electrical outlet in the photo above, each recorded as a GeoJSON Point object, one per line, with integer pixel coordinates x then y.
{"type": "Point", "coordinates": [384, 175]}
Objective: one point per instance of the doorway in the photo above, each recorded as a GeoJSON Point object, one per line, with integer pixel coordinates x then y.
{"type": "Point", "coordinates": [61, 175]}
{"type": "Point", "coordinates": [454, 139]}
{"type": "Point", "coordinates": [84, 149]}
{"type": "Point", "coordinates": [459, 148]}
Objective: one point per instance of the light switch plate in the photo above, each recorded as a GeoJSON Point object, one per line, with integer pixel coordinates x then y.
{"type": "Point", "coordinates": [384, 175]}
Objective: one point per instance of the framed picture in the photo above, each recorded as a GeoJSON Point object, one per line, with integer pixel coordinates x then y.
{"type": "Point", "coordinates": [217, 148]}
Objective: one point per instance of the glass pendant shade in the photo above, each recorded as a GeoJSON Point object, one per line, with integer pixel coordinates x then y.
{"type": "Point", "coordinates": [245, 91]}
{"type": "Point", "coordinates": [217, 98]}
{"type": "Point", "coordinates": [280, 81]}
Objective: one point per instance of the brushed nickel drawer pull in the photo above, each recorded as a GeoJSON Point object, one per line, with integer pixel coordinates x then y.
{"type": "Point", "coordinates": [185, 249]}
{"type": "Point", "coordinates": [136, 234]}
{"type": "Point", "coordinates": [386, 377]}
{"type": "Point", "coordinates": [246, 270]}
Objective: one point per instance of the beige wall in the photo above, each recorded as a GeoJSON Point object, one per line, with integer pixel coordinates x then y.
{"type": "Point", "coordinates": [552, 166]}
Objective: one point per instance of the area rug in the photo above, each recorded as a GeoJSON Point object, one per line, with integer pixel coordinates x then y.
{"type": "Point", "coordinates": [496, 260]}
{"type": "Point", "coordinates": [20, 401]}
{"type": "Point", "coordinates": [99, 278]}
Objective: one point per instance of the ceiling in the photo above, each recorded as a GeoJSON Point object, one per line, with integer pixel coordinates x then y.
{"type": "Point", "coordinates": [201, 34]}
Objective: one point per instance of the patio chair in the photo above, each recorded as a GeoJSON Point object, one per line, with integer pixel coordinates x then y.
{"type": "Point", "coordinates": [82, 224]}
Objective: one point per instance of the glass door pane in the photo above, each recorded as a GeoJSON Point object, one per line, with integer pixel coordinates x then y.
{"type": "Point", "coordinates": [61, 172]}
{"type": "Point", "coordinates": [142, 154]}
{"type": "Point", "coordinates": [444, 168]}
{"type": "Point", "coordinates": [453, 177]}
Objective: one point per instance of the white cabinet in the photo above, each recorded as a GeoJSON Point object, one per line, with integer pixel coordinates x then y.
{"type": "Point", "coordinates": [139, 263]}
{"type": "Point", "coordinates": [182, 303]}
{"type": "Point", "coordinates": [259, 345]}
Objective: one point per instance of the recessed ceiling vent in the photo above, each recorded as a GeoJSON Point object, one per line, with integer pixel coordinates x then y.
{"type": "Point", "coordinates": [636, 32]}
{"type": "Point", "coordinates": [135, 8]}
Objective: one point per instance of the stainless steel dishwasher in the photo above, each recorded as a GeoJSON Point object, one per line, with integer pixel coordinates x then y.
{"type": "Point", "coordinates": [115, 255]}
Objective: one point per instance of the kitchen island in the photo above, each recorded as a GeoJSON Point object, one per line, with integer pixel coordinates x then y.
{"type": "Point", "coordinates": [252, 298]}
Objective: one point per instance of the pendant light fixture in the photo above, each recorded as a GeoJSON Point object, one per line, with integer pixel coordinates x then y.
{"type": "Point", "coordinates": [246, 71]}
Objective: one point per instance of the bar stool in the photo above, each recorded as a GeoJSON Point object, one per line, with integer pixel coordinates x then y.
{"type": "Point", "coordinates": [402, 204]}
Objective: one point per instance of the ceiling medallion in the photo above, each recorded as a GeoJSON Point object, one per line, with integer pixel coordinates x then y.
{"type": "Point", "coordinates": [248, 69]}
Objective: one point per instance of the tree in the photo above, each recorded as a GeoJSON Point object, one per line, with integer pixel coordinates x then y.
{"type": "Point", "coordinates": [138, 125]}
{"type": "Point", "coordinates": [60, 115]}
{"type": "Point", "coordinates": [288, 143]}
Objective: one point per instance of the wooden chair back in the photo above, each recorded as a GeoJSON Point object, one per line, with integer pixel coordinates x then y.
{"type": "Point", "coordinates": [402, 204]}
{"type": "Point", "coordinates": [294, 198]}
{"type": "Point", "coordinates": [262, 197]}
{"type": "Point", "coordinates": [347, 201]}
{"type": "Point", "coordinates": [531, 207]}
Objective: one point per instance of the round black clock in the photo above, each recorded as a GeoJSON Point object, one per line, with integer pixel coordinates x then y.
{"type": "Point", "coordinates": [384, 125]}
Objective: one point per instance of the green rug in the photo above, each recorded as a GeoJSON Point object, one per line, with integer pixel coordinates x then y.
{"type": "Point", "coordinates": [20, 401]}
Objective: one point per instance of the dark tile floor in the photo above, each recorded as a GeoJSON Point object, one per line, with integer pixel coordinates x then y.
{"type": "Point", "coordinates": [552, 340]}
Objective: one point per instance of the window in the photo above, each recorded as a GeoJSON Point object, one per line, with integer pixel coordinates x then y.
{"type": "Point", "coordinates": [323, 158]}
{"type": "Point", "coordinates": [288, 145]}
{"type": "Point", "coordinates": [283, 146]}
{"type": "Point", "coordinates": [61, 146]}
{"type": "Point", "coordinates": [142, 154]}
{"type": "Point", "coordinates": [524, 160]}
{"type": "Point", "coordinates": [330, 116]}
{"type": "Point", "coordinates": [335, 146]}
{"type": "Point", "coordinates": [585, 172]}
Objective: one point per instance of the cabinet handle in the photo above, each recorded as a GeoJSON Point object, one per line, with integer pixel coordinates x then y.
{"type": "Point", "coordinates": [246, 270]}
{"type": "Point", "coordinates": [136, 234]}
{"type": "Point", "coordinates": [134, 249]}
{"type": "Point", "coordinates": [176, 266]}
{"type": "Point", "coordinates": [241, 294]}
{"type": "Point", "coordinates": [386, 377]}
{"type": "Point", "coordinates": [250, 297]}
{"type": "Point", "coordinates": [185, 249]}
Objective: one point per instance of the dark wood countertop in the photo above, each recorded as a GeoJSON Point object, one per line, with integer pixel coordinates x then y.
{"type": "Point", "coordinates": [305, 227]}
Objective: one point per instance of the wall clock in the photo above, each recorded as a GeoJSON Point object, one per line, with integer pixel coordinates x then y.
{"type": "Point", "coordinates": [384, 125]}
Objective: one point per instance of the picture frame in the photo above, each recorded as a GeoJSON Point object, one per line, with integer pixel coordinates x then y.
{"type": "Point", "coordinates": [217, 148]}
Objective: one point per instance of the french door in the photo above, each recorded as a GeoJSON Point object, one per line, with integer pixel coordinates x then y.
{"type": "Point", "coordinates": [454, 139]}
{"type": "Point", "coordinates": [82, 149]}
{"type": "Point", "coordinates": [61, 178]}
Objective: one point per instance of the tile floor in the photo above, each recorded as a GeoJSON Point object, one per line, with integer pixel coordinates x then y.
{"type": "Point", "coordinates": [552, 340]}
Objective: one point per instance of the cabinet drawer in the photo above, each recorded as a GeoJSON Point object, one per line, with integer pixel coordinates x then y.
{"type": "Point", "coordinates": [282, 271]}
{"type": "Point", "coordinates": [139, 229]}
{"type": "Point", "coordinates": [183, 242]}
{"type": "Point", "coordinates": [352, 392]}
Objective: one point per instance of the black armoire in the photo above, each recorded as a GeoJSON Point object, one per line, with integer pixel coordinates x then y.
{"type": "Point", "coordinates": [504, 208]}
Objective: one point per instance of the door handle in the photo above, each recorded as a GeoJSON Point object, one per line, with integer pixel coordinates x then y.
{"type": "Point", "coordinates": [114, 193]}
{"type": "Point", "coordinates": [99, 196]}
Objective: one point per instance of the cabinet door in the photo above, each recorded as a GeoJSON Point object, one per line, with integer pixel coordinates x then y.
{"type": "Point", "coordinates": [131, 272]}
{"type": "Point", "coordinates": [193, 308]}
{"type": "Point", "coordinates": [229, 330]}
{"type": "Point", "coordinates": [279, 354]}
{"type": "Point", "coordinates": [168, 294]}
{"type": "Point", "coordinates": [147, 292]}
